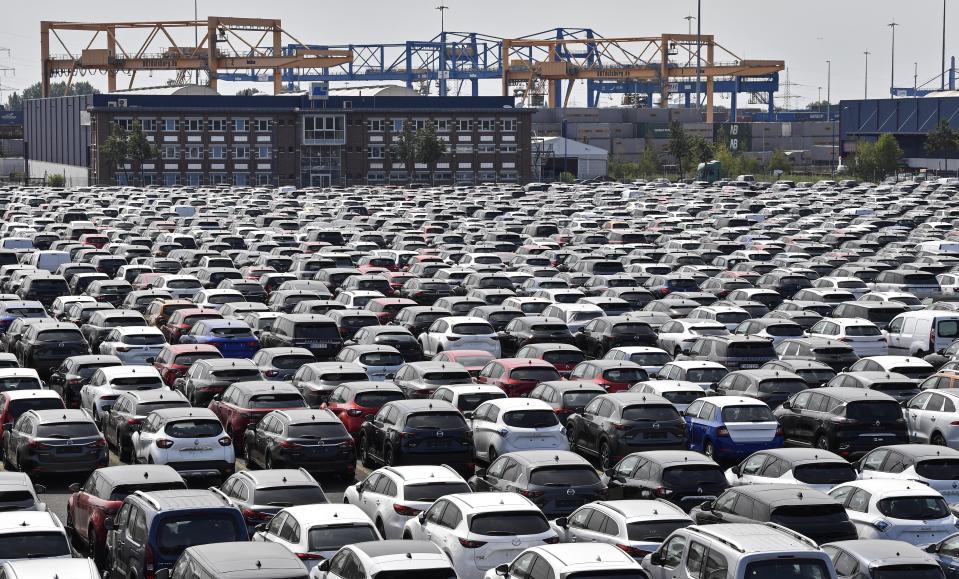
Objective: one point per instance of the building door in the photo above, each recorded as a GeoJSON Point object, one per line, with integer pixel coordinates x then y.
{"type": "Point", "coordinates": [321, 180]}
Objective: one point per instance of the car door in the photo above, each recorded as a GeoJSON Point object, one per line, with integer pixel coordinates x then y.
{"type": "Point", "coordinates": [934, 418]}
{"type": "Point", "coordinates": [510, 476]}
{"type": "Point", "coordinates": [691, 416]}
{"type": "Point", "coordinates": [482, 425]}
{"type": "Point", "coordinates": [915, 415]}
{"type": "Point", "coordinates": [857, 507]}
{"type": "Point", "coordinates": [671, 560]}
{"type": "Point", "coordinates": [434, 516]}
{"type": "Point", "coordinates": [134, 536]}
{"type": "Point", "coordinates": [576, 526]}
{"type": "Point", "coordinates": [749, 470]}
{"type": "Point", "coordinates": [443, 532]}
{"type": "Point", "coordinates": [367, 496]}
{"type": "Point", "coordinates": [81, 510]}
{"type": "Point", "coordinates": [595, 422]}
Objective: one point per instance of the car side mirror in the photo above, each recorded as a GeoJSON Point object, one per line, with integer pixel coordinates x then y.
{"type": "Point", "coordinates": [422, 518]}
{"type": "Point", "coordinates": [324, 565]}
{"type": "Point", "coordinates": [480, 472]}
{"type": "Point", "coordinates": [367, 418]}
{"type": "Point", "coordinates": [502, 570]}
{"type": "Point", "coordinates": [787, 405]}
{"type": "Point", "coordinates": [162, 574]}
{"type": "Point", "coordinates": [390, 376]}
{"type": "Point", "coordinates": [42, 489]}
{"type": "Point", "coordinates": [737, 470]}
{"type": "Point", "coordinates": [468, 415]}
{"type": "Point", "coordinates": [846, 369]}
{"type": "Point", "coordinates": [218, 397]}
{"type": "Point", "coordinates": [562, 522]}
{"type": "Point", "coordinates": [150, 360]}
{"type": "Point", "coordinates": [261, 528]}
{"type": "Point", "coordinates": [933, 548]}
{"type": "Point", "coordinates": [706, 506]}
{"type": "Point", "coordinates": [108, 524]}
{"type": "Point", "coordinates": [74, 488]}
{"type": "Point", "coordinates": [655, 558]}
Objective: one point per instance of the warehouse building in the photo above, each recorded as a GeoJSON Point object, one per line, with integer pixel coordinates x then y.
{"type": "Point", "coordinates": [208, 139]}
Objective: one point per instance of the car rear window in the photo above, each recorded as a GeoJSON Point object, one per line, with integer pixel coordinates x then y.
{"type": "Point", "coordinates": [143, 339]}
{"type": "Point", "coordinates": [916, 571]}
{"type": "Point", "coordinates": [650, 413]}
{"type": "Point", "coordinates": [469, 402]}
{"type": "Point", "coordinates": [447, 376]}
{"type": "Point", "coordinates": [290, 400]}
{"type": "Point", "coordinates": [530, 418]}
{"type": "Point", "coordinates": [429, 492]}
{"type": "Point", "coordinates": [291, 362]}
{"type": "Point", "coordinates": [860, 331]}
{"type": "Point", "coordinates": [871, 411]}
{"type": "Point", "coordinates": [682, 396]}
{"type": "Point", "coordinates": [194, 428]}
{"type": "Point", "coordinates": [580, 398]}
{"type": "Point", "coordinates": [315, 331]}
{"type": "Point", "coordinates": [751, 350]}
{"type": "Point", "coordinates": [781, 386]}
{"type": "Point", "coordinates": [60, 336]}
{"type": "Point", "coordinates": [563, 476]}
{"type": "Point", "coordinates": [948, 329]}
{"type": "Point", "coordinates": [34, 545]}
{"type": "Point", "coordinates": [706, 374]}
{"type": "Point", "coordinates": [938, 469]}
{"type": "Point", "coordinates": [317, 430]}
{"type": "Point", "coordinates": [288, 496]}
{"type": "Point", "coordinates": [376, 399]}
{"type": "Point", "coordinates": [752, 413]}
{"type": "Point", "coordinates": [654, 531]}
{"type": "Point", "coordinates": [564, 357]}
{"type": "Point", "coordinates": [472, 329]}
{"type": "Point", "coordinates": [914, 508]}
{"type": "Point", "coordinates": [789, 515]}
{"type": "Point", "coordinates": [67, 430]}
{"type": "Point", "coordinates": [184, 284]}
{"type": "Point", "coordinates": [434, 573]}
{"type": "Point", "coordinates": [435, 421]}
{"type": "Point", "coordinates": [785, 330]}
{"type": "Point", "coordinates": [133, 382]}
{"type": "Point", "coordinates": [793, 569]}
{"type": "Point", "coordinates": [238, 375]}
{"type": "Point", "coordinates": [625, 375]}
{"type": "Point", "coordinates": [539, 374]}
{"type": "Point", "coordinates": [176, 533]}
{"type": "Point", "coordinates": [509, 523]}
{"type": "Point", "coordinates": [15, 500]}
{"type": "Point", "coordinates": [231, 332]}
{"type": "Point", "coordinates": [332, 537]}
{"type": "Point", "coordinates": [819, 473]}
{"type": "Point", "coordinates": [381, 359]}
{"type": "Point", "coordinates": [694, 475]}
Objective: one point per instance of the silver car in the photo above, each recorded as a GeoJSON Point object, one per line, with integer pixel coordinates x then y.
{"type": "Point", "coordinates": [932, 417]}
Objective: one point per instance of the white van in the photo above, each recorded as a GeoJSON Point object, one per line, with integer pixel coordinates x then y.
{"type": "Point", "coordinates": [923, 332]}
{"type": "Point", "coordinates": [49, 260]}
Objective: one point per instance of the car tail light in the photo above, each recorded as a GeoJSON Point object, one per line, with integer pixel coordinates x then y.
{"type": "Point", "coordinates": [309, 556]}
{"type": "Point", "coordinates": [133, 421]}
{"type": "Point", "coordinates": [354, 412]}
{"type": "Point", "coordinates": [662, 491]}
{"type": "Point", "coordinates": [780, 431]}
{"type": "Point", "coordinates": [288, 444]}
{"type": "Point", "coordinates": [405, 510]}
{"type": "Point", "coordinates": [452, 338]}
{"type": "Point", "coordinates": [472, 544]}
{"type": "Point", "coordinates": [37, 445]}
{"type": "Point", "coordinates": [123, 349]}
{"type": "Point", "coordinates": [722, 432]}
{"type": "Point", "coordinates": [620, 426]}
{"type": "Point", "coordinates": [164, 443]}
{"type": "Point", "coordinates": [632, 551]}
{"type": "Point", "coordinates": [97, 443]}
{"type": "Point", "coordinates": [74, 382]}
{"type": "Point", "coordinates": [225, 441]}
{"type": "Point", "coordinates": [256, 515]}
{"type": "Point", "coordinates": [271, 373]}
{"type": "Point", "coordinates": [530, 494]}
{"type": "Point", "coordinates": [348, 443]}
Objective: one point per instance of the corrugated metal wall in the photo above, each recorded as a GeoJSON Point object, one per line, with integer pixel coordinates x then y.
{"type": "Point", "coordinates": [52, 130]}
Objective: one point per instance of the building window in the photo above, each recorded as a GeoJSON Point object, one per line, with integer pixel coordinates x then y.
{"type": "Point", "coordinates": [148, 125]}
{"type": "Point", "coordinates": [194, 152]}
{"type": "Point", "coordinates": [264, 125]}
{"type": "Point", "coordinates": [170, 125]}
{"type": "Point", "coordinates": [194, 179]}
{"type": "Point", "coordinates": [375, 177]}
{"type": "Point", "coordinates": [487, 176]}
{"type": "Point", "coordinates": [376, 125]}
{"type": "Point", "coordinates": [240, 179]}
{"type": "Point", "coordinates": [487, 125]}
{"type": "Point", "coordinates": [124, 124]}
{"type": "Point", "coordinates": [509, 125]}
{"type": "Point", "coordinates": [442, 125]}
{"type": "Point", "coordinates": [464, 125]}
{"type": "Point", "coordinates": [218, 152]}
{"type": "Point", "coordinates": [194, 125]}
{"type": "Point", "coordinates": [149, 178]}
{"type": "Point", "coordinates": [169, 152]}
{"type": "Point", "coordinates": [419, 124]}
{"type": "Point", "coordinates": [398, 125]}
{"type": "Point", "coordinates": [463, 149]}
{"type": "Point", "coordinates": [169, 179]}
{"type": "Point", "coordinates": [263, 178]}
{"type": "Point", "coordinates": [241, 152]}
{"type": "Point", "coordinates": [507, 176]}
{"type": "Point", "coordinates": [241, 125]}
{"type": "Point", "coordinates": [507, 148]}
{"type": "Point", "coordinates": [376, 152]}
{"type": "Point", "coordinates": [464, 176]}
{"type": "Point", "coordinates": [324, 130]}
{"type": "Point", "coordinates": [399, 176]}
{"type": "Point", "coordinates": [218, 125]}
{"type": "Point", "coordinates": [443, 176]}
{"type": "Point", "coordinates": [486, 148]}
{"type": "Point", "coordinates": [264, 153]}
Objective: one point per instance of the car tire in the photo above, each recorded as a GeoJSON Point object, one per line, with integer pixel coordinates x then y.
{"type": "Point", "coordinates": [605, 458]}
{"type": "Point", "coordinates": [571, 438]}
{"type": "Point", "coordinates": [491, 454]}
{"type": "Point", "coordinates": [364, 451]}
{"type": "Point", "coordinates": [938, 439]}
{"type": "Point", "coordinates": [822, 442]}
{"type": "Point", "coordinates": [389, 457]}
{"type": "Point", "coordinates": [709, 450]}
{"type": "Point", "coordinates": [123, 451]}
{"type": "Point", "coordinates": [95, 553]}
{"type": "Point", "coordinates": [268, 461]}
{"type": "Point", "coordinates": [250, 463]}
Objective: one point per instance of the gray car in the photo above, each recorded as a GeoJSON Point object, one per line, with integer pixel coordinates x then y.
{"type": "Point", "coordinates": [259, 560]}
{"type": "Point", "coordinates": [871, 558]}
{"type": "Point", "coordinates": [55, 441]}
{"type": "Point", "coordinates": [263, 493]}
{"type": "Point", "coordinates": [421, 379]}
{"type": "Point", "coordinates": [317, 380]}
{"type": "Point", "coordinates": [207, 378]}
{"type": "Point", "coordinates": [282, 363]}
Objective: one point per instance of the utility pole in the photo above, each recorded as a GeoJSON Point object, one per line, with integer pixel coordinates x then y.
{"type": "Point", "coordinates": [829, 88]}
{"type": "Point", "coordinates": [819, 99]}
{"type": "Point", "coordinates": [942, 77]}
{"type": "Point", "coordinates": [196, 40]}
{"type": "Point", "coordinates": [699, 38]}
{"type": "Point", "coordinates": [892, 72]}
{"type": "Point", "coordinates": [866, 53]}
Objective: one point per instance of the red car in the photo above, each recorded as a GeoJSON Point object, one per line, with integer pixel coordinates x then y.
{"type": "Point", "coordinates": [181, 322]}
{"type": "Point", "coordinates": [613, 375]}
{"type": "Point", "coordinates": [398, 278]}
{"type": "Point", "coordinates": [101, 496]}
{"type": "Point", "coordinates": [353, 402]}
{"type": "Point", "coordinates": [517, 376]}
{"type": "Point", "coordinates": [387, 308]}
{"type": "Point", "coordinates": [472, 360]}
{"type": "Point", "coordinates": [13, 403]}
{"type": "Point", "coordinates": [173, 361]}
{"type": "Point", "coordinates": [244, 403]}
{"type": "Point", "coordinates": [563, 357]}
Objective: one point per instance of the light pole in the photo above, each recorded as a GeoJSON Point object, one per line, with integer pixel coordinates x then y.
{"type": "Point", "coordinates": [699, 35]}
{"type": "Point", "coordinates": [865, 95]}
{"type": "Point", "coordinates": [442, 8]}
{"type": "Point", "coordinates": [819, 99]}
{"type": "Point", "coordinates": [196, 40]}
{"type": "Point", "coordinates": [832, 148]}
{"type": "Point", "coordinates": [892, 66]}
{"type": "Point", "coordinates": [689, 23]}
{"type": "Point", "coordinates": [942, 77]}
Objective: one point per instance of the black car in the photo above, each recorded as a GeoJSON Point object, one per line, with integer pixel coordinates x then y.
{"type": "Point", "coordinates": [804, 510]}
{"type": "Point", "coordinates": [835, 354]}
{"type": "Point", "coordinates": [813, 373]}
{"type": "Point", "coordinates": [567, 397]}
{"type": "Point", "coordinates": [498, 316]}
{"type": "Point", "coordinates": [771, 386]}
{"type": "Point", "coordinates": [424, 291]}
{"type": "Point", "coordinates": [733, 352]}
{"type": "Point", "coordinates": [399, 338]}
{"type": "Point", "coordinates": [74, 372]}
{"type": "Point", "coordinates": [847, 421]}
{"type": "Point", "coordinates": [348, 322]}
{"type": "Point", "coordinates": [128, 412]}
{"type": "Point", "coordinates": [207, 378]}
{"type": "Point", "coordinates": [614, 425]}
{"type": "Point", "coordinates": [55, 441]}
{"type": "Point", "coordinates": [45, 345]}
{"type": "Point", "coordinates": [312, 439]}
{"type": "Point", "coordinates": [600, 335]}
{"type": "Point", "coordinates": [558, 482]}
{"type": "Point", "coordinates": [316, 333]}
{"type": "Point", "coordinates": [682, 477]}
{"type": "Point", "coordinates": [417, 319]}
{"type": "Point", "coordinates": [524, 331]}
{"type": "Point", "coordinates": [417, 432]}
{"type": "Point", "coordinates": [102, 322]}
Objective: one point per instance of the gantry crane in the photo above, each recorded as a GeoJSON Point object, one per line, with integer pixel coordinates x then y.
{"type": "Point", "coordinates": [227, 44]}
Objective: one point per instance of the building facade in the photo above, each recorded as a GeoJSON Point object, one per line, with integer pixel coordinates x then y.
{"type": "Point", "coordinates": [298, 141]}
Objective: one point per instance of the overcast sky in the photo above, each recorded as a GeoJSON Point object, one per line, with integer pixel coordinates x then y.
{"type": "Point", "coordinates": [803, 33]}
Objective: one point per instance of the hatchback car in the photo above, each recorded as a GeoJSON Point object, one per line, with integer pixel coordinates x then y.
{"type": "Point", "coordinates": [731, 427]}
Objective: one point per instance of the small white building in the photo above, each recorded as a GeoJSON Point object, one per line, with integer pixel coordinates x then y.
{"type": "Point", "coordinates": [555, 155]}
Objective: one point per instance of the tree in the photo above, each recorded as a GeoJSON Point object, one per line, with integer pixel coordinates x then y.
{"type": "Point", "coordinates": [649, 163]}
{"type": "Point", "coordinates": [779, 162]}
{"type": "Point", "coordinates": [56, 180]}
{"type": "Point", "coordinates": [729, 163]}
{"type": "Point", "coordinates": [114, 149]}
{"type": "Point", "coordinates": [247, 92]}
{"type": "Point", "coordinates": [15, 100]}
{"type": "Point", "coordinates": [430, 148]}
{"type": "Point", "coordinates": [888, 155]}
{"type": "Point", "coordinates": [139, 149]}
{"type": "Point", "coordinates": [865, 165]}
{"type": "Point", "coordinates": [679, 145]}
{"type": "Point", "coordinates": [941, 141]}
{"type": "Point", "coordinates": [621, 170]}
{"type": "Point", "coordinates": [820, 106]}
{"type": "Point", "coordinates": [700, 151]}
{"type": "Point", "coordinates": [567, 177]}
{"type": "Point", "coordinates": [405, 149]}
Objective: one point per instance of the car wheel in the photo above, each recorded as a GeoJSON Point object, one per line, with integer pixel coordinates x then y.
{"type": "Point", "coordinates": [388, 457]}
{"type": "Point", "coordinates": [268, 461]}
{"type": "Point", "coordinates": [94, 551]}
{"type": "Point", "coordinates": [123, 452]}
{"type": "Point", "coordinates": [491, 455]}
{"type": "Point", "coordinates": [677, 351]}
{"type": "Point", "coordinates": [407, 536]}
{"type": "Point", "coordinates": [708, 449]}
{"type": "Point", "coordinates": [822, 442]}
{"type": "Point", "coordinates": [938, 439]}
{"type": "Point", "coordinates": [605, 459]}
{"type": "Point", "coordinates": [250, 463]}
{"type": "Point", "coordinates": [365, 459]}
{"type": "Point", "coordinates": [571, 437]}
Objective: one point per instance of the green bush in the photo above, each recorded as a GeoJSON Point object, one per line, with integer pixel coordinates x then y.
{"type": "Point", "coordinates": [56, 180]}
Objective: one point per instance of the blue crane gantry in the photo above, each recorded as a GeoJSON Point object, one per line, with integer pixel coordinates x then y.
{"type": "Point", "coordinates": [458, 58]}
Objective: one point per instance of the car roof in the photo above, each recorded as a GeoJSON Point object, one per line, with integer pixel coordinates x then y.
{"type": "Point", "coordinates": [880, 487]}
{"type": "Point", "coordinates": [328, 513]}
{"type": "Point", "coordinates": [182, 499]}
{"type": "Point", "coordinates": [255, 559]}
{"type": "Point", "coordinates": [278, 477]}
{"type": "Point", "coordinates": [804, 455]}
{"type": "Point", "coordinates": [375, 549]}
{"type": "Point", "coordinates": [110, 372]}
{"type": "Point", "coordinates": [923, 451]}
{"type": "Point", "coordinates": [723, 401]}
{"type": "Point", "coordinates": [755, 538]}
{"type": "Point", "coordinates": [780, 494]}
{"type": "Point", "coordinates": [31, 393]}
{"type": "Point", "coordinates": [644, 508]}
{"type": "Point", "coordinates": [854, 394]}
{"type": "Point", "coordinates": [882, 552]}
{"type": "Point", "coordinates": [265, 386]}
{"type": "Point", "coordinates": [138, 474]}
{"type": "Point", "coordinates": [62, 415]}
{"type": "Point", "coordinates": [30, 522]}
{"type": "Point", "coordinates": [535, 458]}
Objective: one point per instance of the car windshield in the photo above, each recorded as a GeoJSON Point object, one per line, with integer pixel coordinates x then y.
{"type": "Point", "coordinates": [289, 496]}
{"type": "Point", "coordinates": [291, 362]}
{"type": "Point", "coordinates": [332, 537]}
{"type": "Point", "coordinates": [376, 399]}
{"type": "Point", "coordinates": [18, 407]}
{"type": "Point", "coordinates": [317, 331]}
{"type": "Point", "coordinates": [563, 476]}
{"type": "Point", "coordinates": [654, 531]}
{"type": "Point", "coordinates": [67, 430]}
{"type": "Point", "coordinates": [872, 411]}
{"type": "Point", "coordinates": [831, 473]}
{"type": "Point", "coordinates": [530, 418]}
{"type": "Point", "coordinates": [429, 492]}
{"type": "Point", "coordinates": [121, 492]}
{"type": "Point", "coordinates": [37, 545]}
{"type": "Point", "coordinates": [19, 383]}
{"type": "Point", "coordinates": [436, 421]}
{"type": "Point", "coordinates": [916, 571]}
{"type": "Point", "coordinates": [538, 374]}
{"type": "Point", "coordinates": [277, 401]}
{"type": "Point", "coordinates": [625, 375]}
{"type": "Point", "coordinates": [792, 568]}
{"type": "Point", "coordinates": [194, 428]}
{"type": "Point", "coordinates": [136, 382]}
{"type": "Point", "coordinates": [752, 413]}
{"type": "Point", "coordinates": [649, 413]}
{"type": "Point", "coordinates": [238, 375]}
{"type": "Point", "coordinates": [508, 523]}
{"type": "Point", "coordinates": [710, 375]}
{"type": "Point", "coordinates": [176, 533]}
{"type": "Point", "coordinates": [469, 402]}
{"type": "Point", "coordinates": [914, 508]}
{"type": "Point", "coordinates": [564, 357]}
{"type": "Point", "coordinates": [60, 336]}
{"type": "Point", "coordinates": [472, 329]}
{"type": "Point", "coordinates": [781, 386]}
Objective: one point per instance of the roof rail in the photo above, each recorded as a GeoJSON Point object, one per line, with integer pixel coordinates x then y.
{"type": "Point", "coordinates": [724, 540]}
{"type": "Point", "coordinates": [798, 536]}
{"type": "Point", "coordinates": [394, 471]}
{"type": "Point", "coordinates": [153, 502]}
{"type": "Point", "coordinates": [611, 507]}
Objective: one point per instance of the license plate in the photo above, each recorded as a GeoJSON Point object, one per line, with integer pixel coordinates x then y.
{"type": "Point", "coordinates": [748, 366]}
{"type": "Point", "coordinates": [567, 503]}
{"type": "Point", "coordinates": [69, 450]}
{"type": "Point", "coordinates": [655, 435]}
{"type": "Point", "coordinates": [196, 449]}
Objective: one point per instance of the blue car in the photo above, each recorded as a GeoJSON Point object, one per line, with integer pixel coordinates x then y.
{"type": "Point", "coordinates": [730, 428]}
{"type": "Point", "coordinates": [12, 310]}
{"type": "Point", "coordinates": [233, 338]}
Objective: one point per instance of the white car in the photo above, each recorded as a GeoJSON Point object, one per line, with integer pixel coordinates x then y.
{"type": "Point", "coordinates": [357, 299]}
{"type": "Point", "coordinates": [179, 286]}
{"type": "Point", "coordinates": [133, 345]}
{"type": "Point", "coordinates": [905, 298]}
{"type": "Point", "coordinates": [808, 467]}
{"type": "Point", "coordinates": [191, 440]}
{"type": "Point", "coordinates": [31, 569]}
{"type": "Point", "coordinates": [678, 336]}
{"type": "Point", "coordinates": [215, 299]}
{"type": "Point", "coordinates": [460, 333]}
{"type": "Point", "coordinates": [650, 359]}
{"type": "Point", "coordinates": [863, 336]}
{"type": "Point", "coordinates": [379, 362]}
{"type": "Point", "coordinates": [20, 379]}
{"type": "Point", "coordinates": [322, 530]}
{"type": "Point", "coordinates": [101, 392]}
{"type": "Point", "coordinates": [679, 393]}
{"type": "Point", "coordinates": [62, 303]}
{"type": "Point", "coordinates": [570, 561]}
{"type": "Point", "coordinates": [637, 527]}
{"type": "Point", "coordinates": [33, 535]}
{"type": "Point", "coordinates": [935, 466]}
{"type": "Point", "coordinates": [391, 495]}
{"type": "Point", "coordinates": [514, 424]}
{"type": "Point", "coordinates": [915, 369]}
{"type": "Point", "coordinates": [932, 417]}
{"type": "Point", "coordinates": [705, 374]}
{"type": "Point", "coordinates": [479, 531]}
{"type": "Point", "coordinates": [383, 559]}
{"type": "Point", "coordinates": [949, 282]}
{"type": "Point", "coordinates": [853, 285]}
{"type": "Point", "coordinates": [467, 397]}
{"type": "Point", "coordinates": [900, 510]}
{"type": "Point", "coordinates": [728, 316]}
